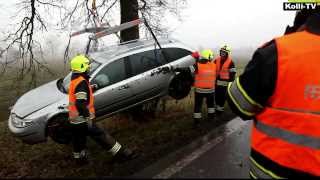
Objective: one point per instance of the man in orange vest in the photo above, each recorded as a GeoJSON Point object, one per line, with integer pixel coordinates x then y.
{"type": "Point", "coordinates": [82, 112]}
{"type": "Point", "coordinates": [204, 71]}
{"type": "Point", "coordinates": [226, 72]}
{"type": "Point", "coordinates": [280, 90]}
{"type": "Point", "coordinates": [204, 83]}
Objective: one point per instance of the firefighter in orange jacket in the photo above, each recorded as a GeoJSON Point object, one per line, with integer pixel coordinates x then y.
{"type": "Point", "coordinates": [204, 83]}
{"type": "Point", "coordinates": [82, 112]}
{"type": "Point", "coordinates": [280, 90]}
{"type": "Point", "coordinates": [226, 72]}
{"type": "Point", "coordinates": [204, 71]}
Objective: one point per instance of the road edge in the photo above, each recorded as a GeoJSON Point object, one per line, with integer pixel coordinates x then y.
{"type": "Point", "coordinates": [173, 162]}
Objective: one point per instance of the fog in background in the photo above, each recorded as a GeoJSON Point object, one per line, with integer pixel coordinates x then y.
{"type": "Point", "coordinates": [244, 25]}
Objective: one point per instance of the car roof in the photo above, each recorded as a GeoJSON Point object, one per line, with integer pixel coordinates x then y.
{"type": "Point", "coordinates": [106, 54]}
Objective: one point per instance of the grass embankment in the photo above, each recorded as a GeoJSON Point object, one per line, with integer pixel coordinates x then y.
{"type": "Point", "coordinates": [168, 131]}
{"type": "Point", "coordinates": [152, 139]}
{"type": "Point", "coordinates": [12, 85]}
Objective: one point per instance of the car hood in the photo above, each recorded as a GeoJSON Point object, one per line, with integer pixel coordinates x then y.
{"type": "Point", "coordinates": [37, 99]}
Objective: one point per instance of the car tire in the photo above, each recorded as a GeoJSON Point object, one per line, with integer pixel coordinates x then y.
{"type": "Point", "coordinates": [180, 86]}
{"type": "Point", "coordinates": [58, 129]}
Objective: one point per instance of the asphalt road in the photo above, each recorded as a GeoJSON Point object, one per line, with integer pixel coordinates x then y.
{"type": "Point", "coordinates": [223, 153]}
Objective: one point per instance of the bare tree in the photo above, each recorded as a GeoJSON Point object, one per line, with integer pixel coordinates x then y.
{"type": "Point", "coordinates": [23, 37]}
{"type": "Point", "coordinates": [129, 12]}
{"type": "Point", "coordinates": [35, 19]}
{"type": "Point", "coordinates": [153, 12]}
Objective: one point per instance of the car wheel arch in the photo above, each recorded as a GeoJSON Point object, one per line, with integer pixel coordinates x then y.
{"type": "Point", "coordinates": [52, 117]}
{"type": "Point", "coordinates": [60, 131]}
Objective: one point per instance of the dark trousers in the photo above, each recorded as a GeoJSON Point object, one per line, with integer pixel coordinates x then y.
{"type": "Point", "coordinates": [81, 131]}
{"type": "Point", "coordinates": [221, 95]}
{"type": "Point", "coordinates": [198, 99]}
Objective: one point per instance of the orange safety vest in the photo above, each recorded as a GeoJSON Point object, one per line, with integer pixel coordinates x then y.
{"type": "Point", "coordinates": [73, 111]}
{"type": "Point", "coordinates": [224, 72]}
{"type": "Point", "coordinates": [206, 76]}
{"type": "Point", "coordinates": [287, 131]}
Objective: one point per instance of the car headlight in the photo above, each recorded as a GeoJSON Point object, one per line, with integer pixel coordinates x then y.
{"type": "Point", "coordinates": [19, 122]}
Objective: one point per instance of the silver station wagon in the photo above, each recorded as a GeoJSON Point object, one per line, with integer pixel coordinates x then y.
{"type": "Point", "coordinates": [126, 75]}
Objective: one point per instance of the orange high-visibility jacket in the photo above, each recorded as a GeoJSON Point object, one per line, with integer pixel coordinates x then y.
{"type": "Point", "coordinates": [287, 131]}
{"type": "Point", "coordinates": [224, 72]}
{"type": "Point", "coordinates": [205, 77]}
{"type": "Point", "coordinates": [73, 112]}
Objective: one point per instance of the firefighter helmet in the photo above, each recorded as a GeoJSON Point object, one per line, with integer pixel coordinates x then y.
{"type": "Point", "coordinates": [226, 49]}
{"type": "Point", "coordinates": [80, 64]}
{"type": "Point", "coordinates": [207, 54]}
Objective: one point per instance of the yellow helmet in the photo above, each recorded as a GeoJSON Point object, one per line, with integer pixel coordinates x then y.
{"type": "Point", "coordinates": [226, 49]}
{"type": "Point", "coordinates": [207, 54]}
{"type": "Point", "coordinates": [80, 63]}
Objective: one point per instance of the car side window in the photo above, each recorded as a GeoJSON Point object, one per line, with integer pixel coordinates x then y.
{"type": "Point", "coordinates": [173, 54]}
{"type": "Point", "coordinates": [111, 74]}
{"type": "Point", "coordinates": [143, 62]}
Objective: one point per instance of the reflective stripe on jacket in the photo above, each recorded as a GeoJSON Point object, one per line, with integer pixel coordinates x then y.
{"type": "Point", "coordinates": [205, 78]}
{"type": "Point", "coordinates": [73, 111]}
{"type": "Point", "coordinates": [288, 130]}
{"type": "Point", "coordinates": [224, 72]}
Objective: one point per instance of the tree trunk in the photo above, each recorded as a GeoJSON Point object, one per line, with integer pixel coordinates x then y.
{"type": "Point", "coordinates": [129, 12]}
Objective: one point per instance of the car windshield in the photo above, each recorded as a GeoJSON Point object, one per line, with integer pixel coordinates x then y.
{"type": "Point", "coordinates": [66, 81]}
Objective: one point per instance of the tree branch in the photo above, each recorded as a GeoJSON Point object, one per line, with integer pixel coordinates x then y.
{"type": "Point", "coordinates": [49, 4]}
{"type": "Point", "coordinates": [110, 7]}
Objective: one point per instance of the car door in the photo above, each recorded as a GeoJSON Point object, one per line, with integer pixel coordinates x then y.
{"type": "Point", "coordinates": [179, 85]}
{"type": "Point", "coordinates": [114, 92]}
{"type": "Point", "coordinates": [178, 57]}
{"type": "Point", "coordinates": [145, 69]}
{"type": "Point", "coordinates": [172, 57]}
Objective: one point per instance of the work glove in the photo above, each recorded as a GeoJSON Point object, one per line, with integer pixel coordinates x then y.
{"type": "Point", "coordinates": [195, 55]}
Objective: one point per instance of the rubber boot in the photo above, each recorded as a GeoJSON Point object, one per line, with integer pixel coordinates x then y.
{"type": "Point", "coordinates": [81, 158]}
{"type": "Point", "coordinates": [219, 110]}
{"type": "Point", "coordinates": [211, 113]}
{"type": "Point", "coordinates": [124, 155]}
{"type": "Point", "coordinates": [196, 119]}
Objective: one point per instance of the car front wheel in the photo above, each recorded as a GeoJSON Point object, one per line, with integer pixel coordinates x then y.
{"type": "Point", "coordinates": [58, 129]}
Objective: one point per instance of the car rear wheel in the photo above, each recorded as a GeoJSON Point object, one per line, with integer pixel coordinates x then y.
{"type": "Point", "coordinates": [58, 129]}
{"type": "Point", "coordinates": [180, 86]}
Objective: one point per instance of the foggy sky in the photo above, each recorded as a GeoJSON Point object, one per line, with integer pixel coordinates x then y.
{"type": "Point", "coordinates": [212, 23]}
{"type": "Point", "coordinates": [235, 22]}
